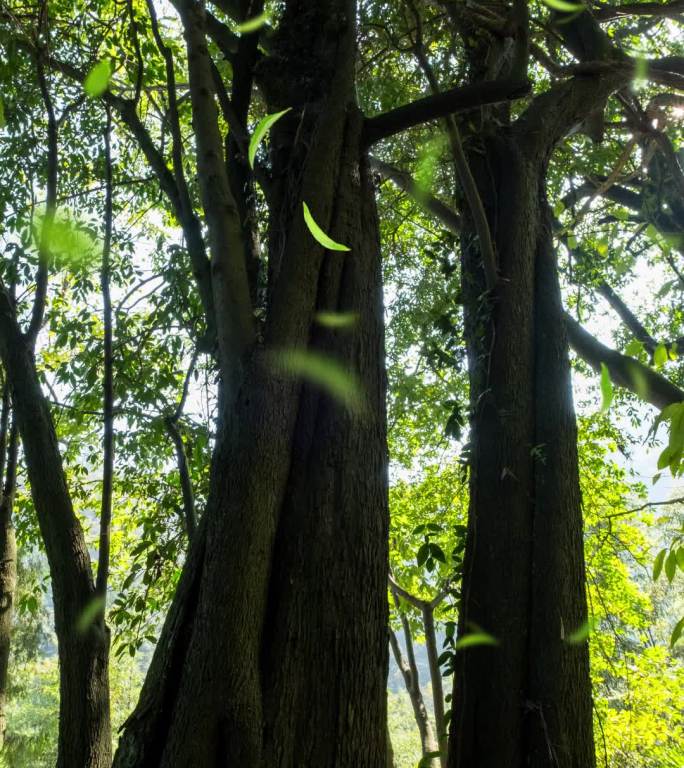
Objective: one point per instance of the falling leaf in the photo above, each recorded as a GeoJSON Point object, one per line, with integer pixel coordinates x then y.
{"type": "Point", "coordinates": [475, 638]}
{"type": "Point", "coordinates": [252, 25]}
{"type": "Point", "coordinates": [97, 80]}
{"type": "Point", "coordinates": [606, 388]}
{"type": "Point", "coordinates": [90, 614]}
{"type": "Point", "coordinates": [563, 5]}
{"type": "Point", "coordinates": [325, 372]}
{"type": "Point", "coordinates": [68, 244]}
{"type": "Point", "coordinates": [582, 633]}
{"type": "Point", "coordinates": [263, 127]}
{"type": "Point", "coordinates": [337, 319]}
{"type": "Point", "coordinates": [319, 235]}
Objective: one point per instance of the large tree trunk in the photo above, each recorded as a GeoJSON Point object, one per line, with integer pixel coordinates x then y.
{"type": "Point", "coordinates": [275, 650]}
{"type": "Point", "coordinates": [84, 730]}
{"type": "Point", "coordinates": [527, 701]}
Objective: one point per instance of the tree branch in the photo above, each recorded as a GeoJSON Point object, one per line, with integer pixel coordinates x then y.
{"type": "Point", "coordinates": [611, 12]}
{"type": "Point", "coordinates": [459, 99]}
{"type": "Point", "coordinates": [108, 379]}
{"type": "Point", "coordinates": [624, 371]}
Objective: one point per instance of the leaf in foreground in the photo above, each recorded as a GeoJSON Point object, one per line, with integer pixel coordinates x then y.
{"type": "Point", "coordinates": [582, 633]}
{"type": "Point", "coordinates": [474, 639]}
{"type": "Point", "coordinates": [89, 614]}
{"type": "Point", "coordinates": [252, 25]}
{"type": "Point", "coordinates": [337, 319]}
{"type": "Point", "coordinates": [325, 372]}
{"type": "Point", "coordinates": [319, 235]}
{"type": "Point", "coordinates": [263, 127]}
{"type": "Point", "coordinates": [606, 388]}
{"type": "Point", "coordinates": [97, 80]}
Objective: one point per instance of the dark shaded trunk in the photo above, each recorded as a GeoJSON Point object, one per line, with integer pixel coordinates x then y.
{"type": "Point", "coordinates": [526, 701]}
{"type": "Point", "coordinates": [275, 650]}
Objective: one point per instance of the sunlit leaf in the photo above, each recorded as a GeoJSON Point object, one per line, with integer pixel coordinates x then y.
{"type": "Point", "coordinates": [90, 614]}
{"type": "Point", "coordinates": [660, 355]}
{"type": "Point", "coordinates": [634, 348]}
{"type": "Point", "coordinates": [564, 6]}
{"type": "Point", "coordinates": [69, 244]}
{"type": "Point", "coordinates": [677, 632]}
{"type": "Point", "coordinates": [252, 25]}
{"type": "Point", "coordinates": [606, 388]}
{"type": "Point", "coordinates": [263, 127]}
{"type": "Point", "coordinates": [581, 633]}
{"type": "Point", "coordinates": [337, 319]}
{"type": "Point", "coordinates": [97, 80]}
{"type": "Point", "coordinates": [475, 638]}
{"type": "Point", "coordinates": [325, 372]}
{"type": "Point", "coordinates": [319, 235]}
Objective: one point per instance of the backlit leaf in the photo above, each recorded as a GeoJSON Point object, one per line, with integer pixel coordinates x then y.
{"type": "Point", "coordinates": [97, 80]}
{"type": "Point", "coordinates": [563, 5]}
{"type": "Point", "coordinates": [658, 564]}
{"type": "Point", "coordinates": [606, 388]}
{"type": "Point", "coordinates": [677, 632]}
{"type": "Point", "coordinates": [252, 25]}
{"type": "Point", "coordinates": [263, 127]}
{"type": "Point", "coordinates": [319, 235]}
{"type": "Point", "coordinates": [323, 371]}
{"type": "Point", "coordinates": [660, 355]}
{"type": "Point", "coordinates": [337, 319]}
{"type": "Point", "coordinates": [89, 614]}
{"type": "Point", "coordinates": [581, 633]}
{"type": "Point", "coordinates": [475, 638]}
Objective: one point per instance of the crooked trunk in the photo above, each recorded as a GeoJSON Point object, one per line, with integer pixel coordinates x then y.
{"type": "Point", "coordinates": [527, 701]}
{"type": "Point", "coordinates": [275, 650]}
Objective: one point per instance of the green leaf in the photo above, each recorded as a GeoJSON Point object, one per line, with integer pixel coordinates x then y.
{"type": "Point", "coordinates": [660, 355]}
{"type": "Point", "coordinates": [252, 25]}
{"type": "Point", "coordinates": [423, 554]}
{"type": "Point", "coordinates": [98, 78]}
{"type": "Point", "coordinates": [319, 235]}
{"type": "Point", "coordinates": [658, 564]}
{"type": "Point", "coordinates": [680, 558]}
{"type": "Point", "coordinates": [581, 633]}
{"type": "Point", "coordinates": [3, 121]}
{"type": "Point", "coordinates": [563, 5]}
{"type": "Point", "coordinates": [606, 388]}
{"type": "Point", "coordinates": [677, 632]}
{"type": "Point", "coordinates": [263, 127]}
{"type": "Point", "coordinates": [337, 320]}
{"type": "Point", "coordinates": [68, 243]}
{"type": "Point", "coordinates": [671, 565]}
{"type": "Point", "coordinates": [325, 372]}
{"type": "Point", "coordinates": [437, 552]}
{"type": "Point", "coordinates": [634, 348]}
{"type": "Point", "coordinates": [475, 638]}
{"type": "Point", "coordinates": [89, 614]}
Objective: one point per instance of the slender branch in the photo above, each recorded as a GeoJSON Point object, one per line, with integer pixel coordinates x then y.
{"type": "Point", "coordinates": [185, 480]}
{"type": "Point", "coordinates": [108, 381]}
{"type": "Point", "coordinates": [679, 500]}
{"type": "Point", "coordinates": [230, 282]}
{"type": "Point", "coordinates": [459, 99]}
{"type": "Point", "coordinates": [625, 371]}
{"type": "Point", "coordinates": [445, 215]}
{"type": "Point", "coordinates": [628, 317]}
{"type": "Point", "coordinates": [611, 12]}
{"type": "Point", "coordinates": [50, 207]}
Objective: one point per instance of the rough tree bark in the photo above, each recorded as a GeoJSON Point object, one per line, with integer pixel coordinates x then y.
{"type": "Point", "coordinates": [526, 701]}
{"type": "Point", "coordinates": [289, 564]}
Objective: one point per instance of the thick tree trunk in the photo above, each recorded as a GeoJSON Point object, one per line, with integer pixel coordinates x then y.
{"type": "Point", "coordinates": [275, 651]}
{"type": "Point", "coordinates": [527, 701]}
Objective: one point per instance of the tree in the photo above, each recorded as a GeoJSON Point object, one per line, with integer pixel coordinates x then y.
{"type": "Point", "coordinates": [274, 649]}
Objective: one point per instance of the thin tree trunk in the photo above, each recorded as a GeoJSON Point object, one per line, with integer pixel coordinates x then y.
{"type": "Point", "coordinates": [8, 548]}
{"type": "Point", "coordinates": [409, 671]}
{"type": "Point", "coordinates": [84, 732]}
{"type": "Point", "coordinates": [436, 679]}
